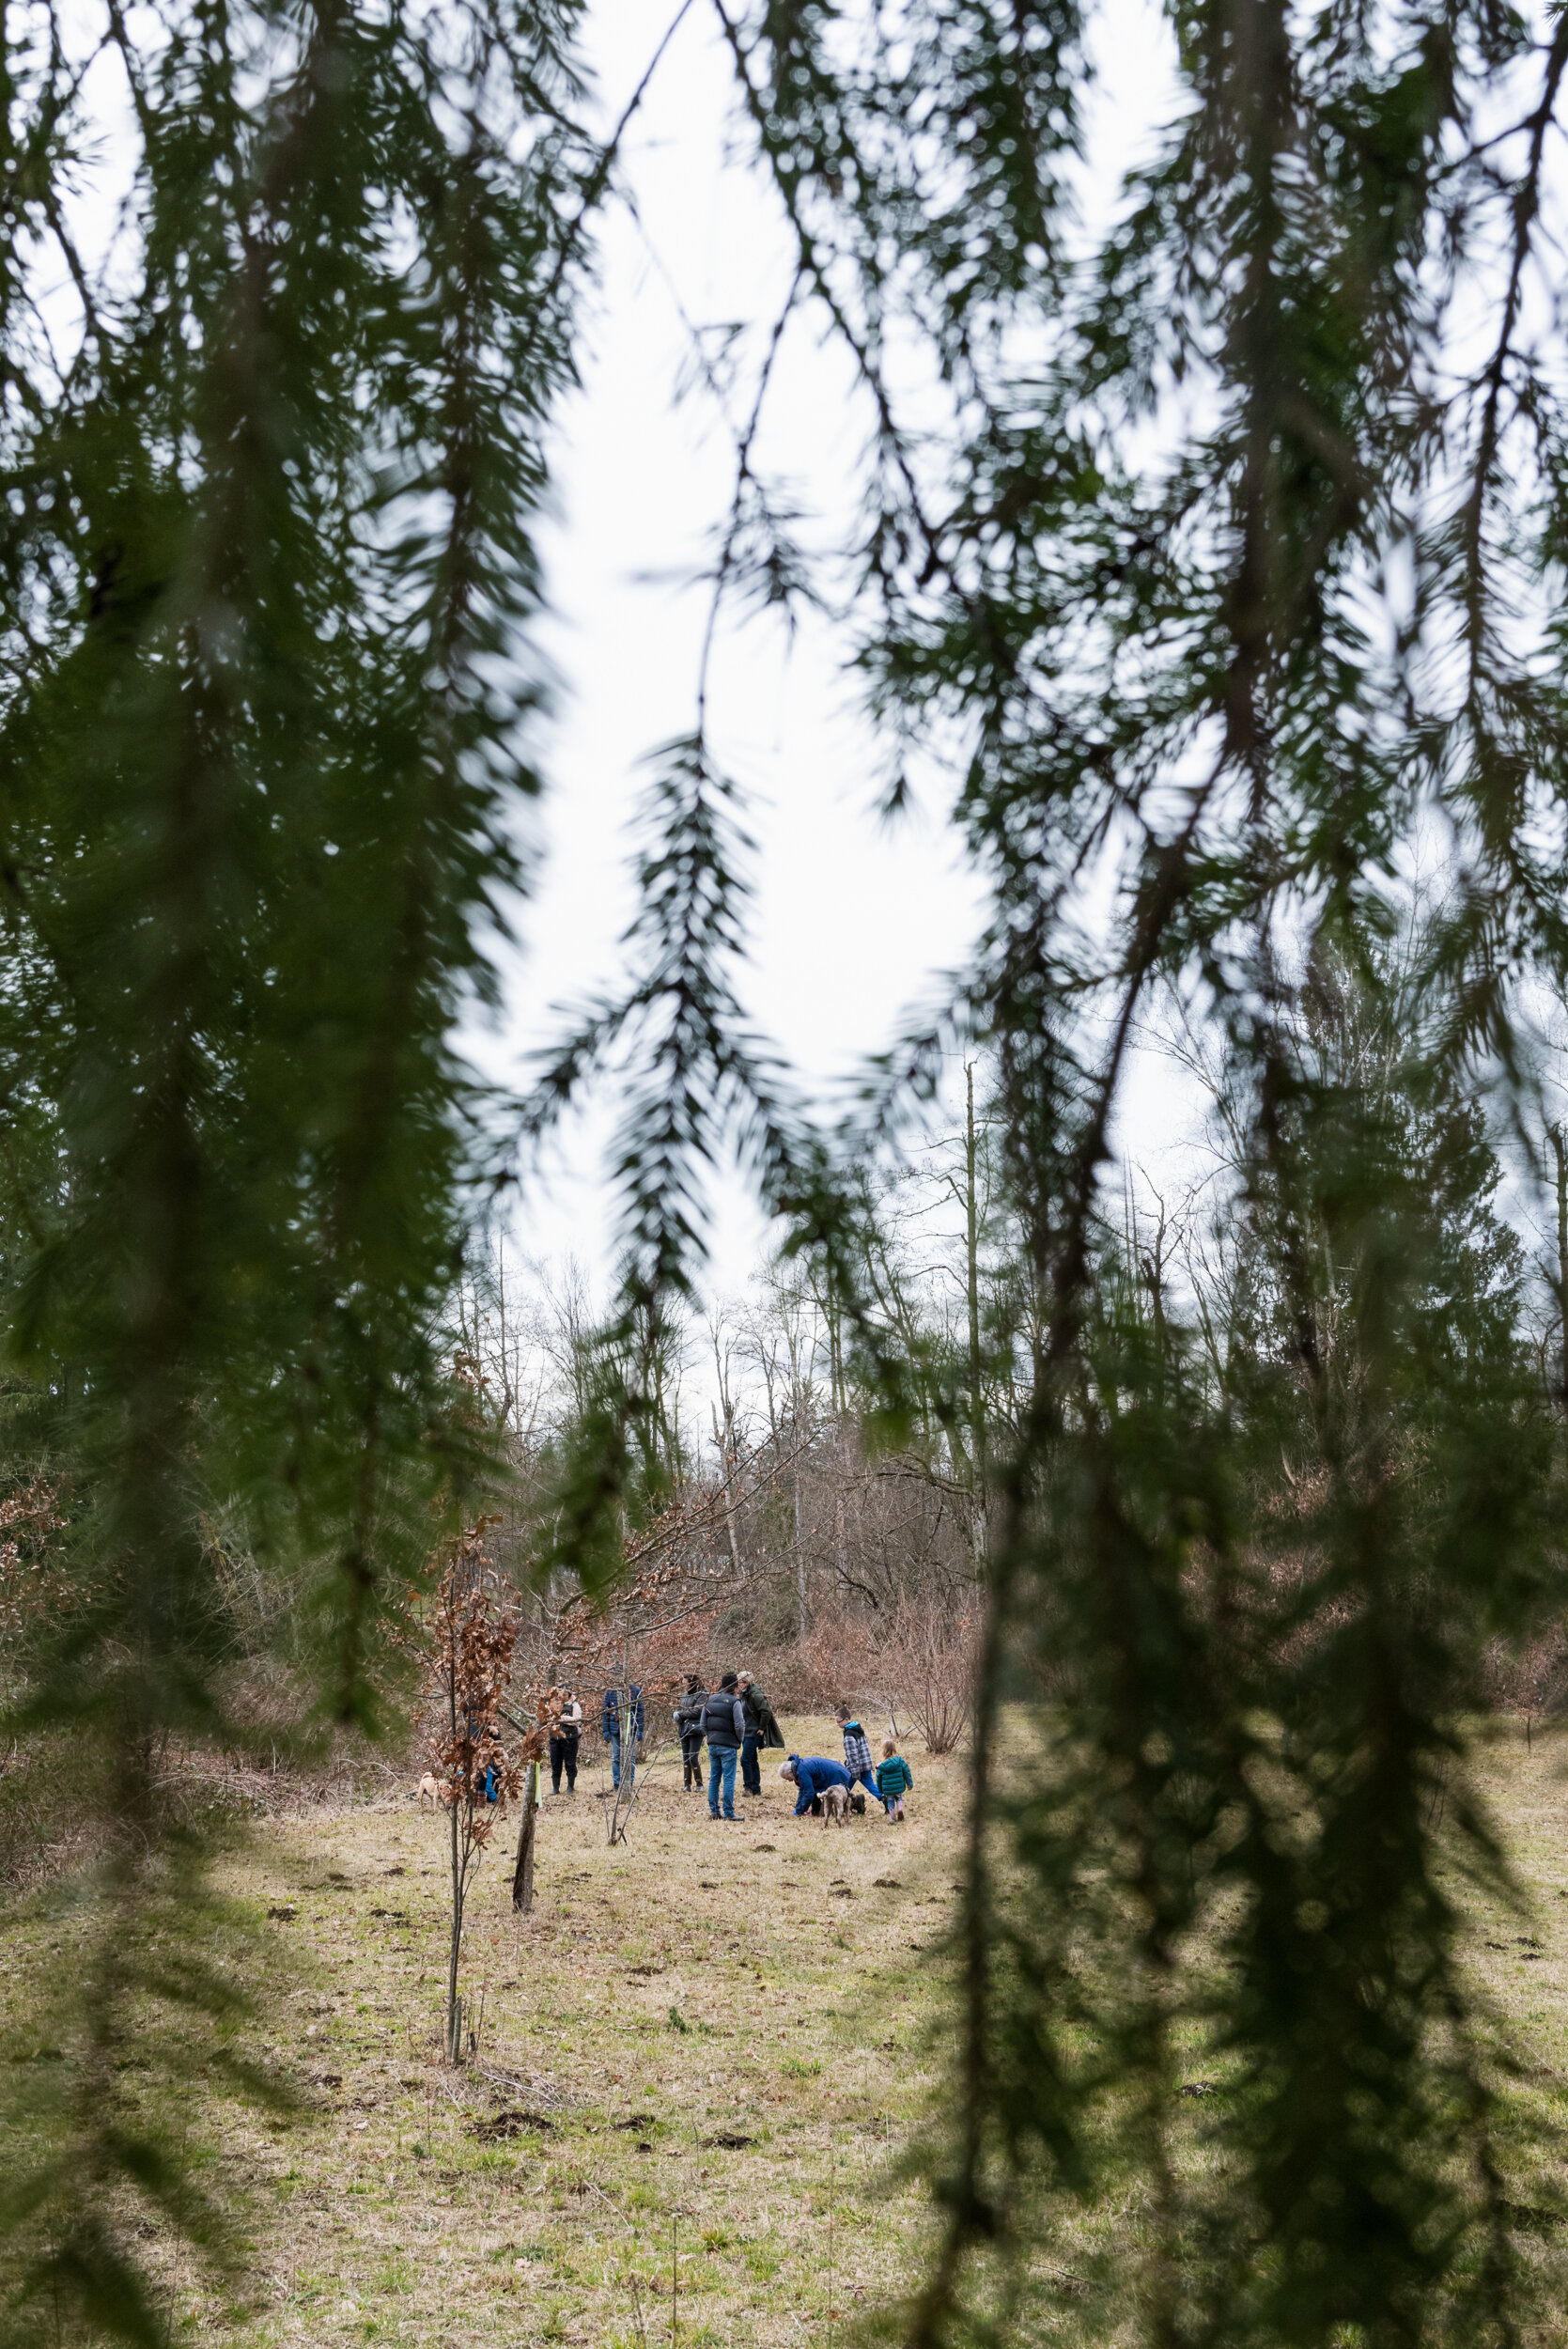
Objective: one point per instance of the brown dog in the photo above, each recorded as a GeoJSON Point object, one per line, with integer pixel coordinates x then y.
{"type": "Point", "coordinates": [432, 1786]}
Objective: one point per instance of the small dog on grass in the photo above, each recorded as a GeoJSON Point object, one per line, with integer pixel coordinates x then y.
{"type": "Point", "coordinates": [836, 1806]}
{"type": "Point", "coordinates": [432, 1786]}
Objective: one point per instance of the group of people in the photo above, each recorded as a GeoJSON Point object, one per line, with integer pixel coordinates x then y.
{"type": "Point", "coordinates": [811, 1773]}
{"type": "Point", "coordinates": [736, 1722]}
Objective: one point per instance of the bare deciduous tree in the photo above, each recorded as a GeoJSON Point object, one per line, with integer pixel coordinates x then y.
{"type": "Point", "coordinates": [472, 1630]}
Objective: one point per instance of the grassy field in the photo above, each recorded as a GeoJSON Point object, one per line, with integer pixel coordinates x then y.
{"type": "Point", "coordinates": [699, 2061]}
{"type": "Point", "coordinates": [768, 1983]}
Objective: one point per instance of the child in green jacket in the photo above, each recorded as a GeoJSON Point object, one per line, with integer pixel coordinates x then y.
{"type": "Point", "coordinates": [893, 1776]}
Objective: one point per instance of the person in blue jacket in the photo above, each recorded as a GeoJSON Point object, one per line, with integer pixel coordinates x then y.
{"type": "Point", "coordinates": [619, 1709]}
{"type": "Point", "coordinates": [811, 1772]}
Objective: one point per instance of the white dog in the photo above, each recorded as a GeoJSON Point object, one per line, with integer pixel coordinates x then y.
{"type": "Point", "coordinates": [432, 1786]}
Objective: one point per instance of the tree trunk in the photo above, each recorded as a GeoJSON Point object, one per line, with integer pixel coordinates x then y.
{"type": "Point", "coordinates": [724, 1441]}
{"type": "Point", "coordinates": [977, 1399]}
{"type": "Point", "coordinates": [1560, 1150]}
{"type": "Point", "coordinates": [454, 2011]}
{"type": "Point", "coordinates": [523, 1878]}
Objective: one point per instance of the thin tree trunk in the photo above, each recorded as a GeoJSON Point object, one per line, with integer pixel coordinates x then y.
{"type": "Point", "coordinates": [977, 1400]}
{"type": "Point", "coordinates": [1559, 1148]}
{"type": "Point", "coordinates": [799, 1558]}
{"type": "Point", "coordinates": [522, 1879]}
{"type": "Point", "coordinates": [454, 2049]}
{"type": "Point", "coordinates": [723, 1438]}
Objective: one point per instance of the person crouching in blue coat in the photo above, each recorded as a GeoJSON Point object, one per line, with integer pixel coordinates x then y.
{"type": "Point", "coordinates": [811, 1772]}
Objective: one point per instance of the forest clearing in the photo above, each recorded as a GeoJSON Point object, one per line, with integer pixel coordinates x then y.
{"type": "Point", "coordinates": [390, 2205]}
{"type": "Point", "coordinates": [700, 2063]}
{"type": "Point", "coordinates": [784, 884]}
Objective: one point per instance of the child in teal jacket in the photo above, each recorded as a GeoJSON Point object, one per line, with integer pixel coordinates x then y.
{"type": "Point", "coordinates": [893, 1776]}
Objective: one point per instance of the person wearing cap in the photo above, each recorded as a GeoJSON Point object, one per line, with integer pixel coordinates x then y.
{"type": "Point", "coordinates": [689, 1728]}
{"type": "Point", "coordinates": [724, 1728]}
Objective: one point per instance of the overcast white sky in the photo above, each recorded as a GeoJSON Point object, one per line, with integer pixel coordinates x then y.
{"type": "Point", "coordinates": [856, 920]}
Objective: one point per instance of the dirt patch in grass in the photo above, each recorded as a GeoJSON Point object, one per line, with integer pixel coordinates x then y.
{"type": "Point", "coordinates": [596, 2150]}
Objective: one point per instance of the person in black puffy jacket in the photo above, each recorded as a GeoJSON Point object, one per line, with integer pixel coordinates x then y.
{"type": "Point", "coordinates": [724, 1728]}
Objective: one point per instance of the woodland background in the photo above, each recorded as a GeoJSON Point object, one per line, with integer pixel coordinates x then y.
{"type": "Point", "coordinates": [1203, 529]}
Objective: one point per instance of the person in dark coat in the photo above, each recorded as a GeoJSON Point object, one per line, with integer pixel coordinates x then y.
{"type": "Point", "coordinates": [810, 1773]}
{"type": "Point", "coordinates": [689, 1728]}
{"type": "Point", "coordinates": [618, 1709]}
{"type": "Point", "coordinates": [563, 1735]}
{"type": "Point", "coordinates": [761, 1730]}
{"type": "Point", "coordinates": [724, 1728]}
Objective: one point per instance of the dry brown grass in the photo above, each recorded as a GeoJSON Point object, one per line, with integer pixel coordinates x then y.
{"type": "Point", "coordinates": [808, 1995]}
{"type": "Point", "coordinates": [805, 1988]}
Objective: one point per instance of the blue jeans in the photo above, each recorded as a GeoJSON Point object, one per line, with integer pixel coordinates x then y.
{"type": "Point", "coordinates": [720, 1765]}
{"type": "Point", "coordinates": [615, 1760]}
{"type": "Point", "coordinates": [867, 1781]}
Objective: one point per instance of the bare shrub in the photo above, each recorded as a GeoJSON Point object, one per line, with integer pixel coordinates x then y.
{"type": "Point", "coordinates": [1531, 1678]}
{"type": "Point", "coordinates": [928, 1657]}
{"type": "Point", "coordinates": [837, 1661]}
{"type": "Point", "coordinates": [914, 1660]}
